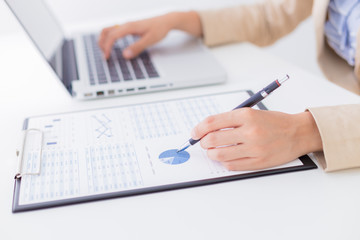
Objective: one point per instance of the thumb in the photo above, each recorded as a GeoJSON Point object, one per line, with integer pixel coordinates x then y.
{"type": "Point", "coordinates": [136, 48]}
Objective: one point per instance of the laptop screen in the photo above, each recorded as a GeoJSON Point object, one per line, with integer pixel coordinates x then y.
{"type": "Point", "coordinates": [38, 22]}
{"type": "Point", "coordinates": [46, 33]}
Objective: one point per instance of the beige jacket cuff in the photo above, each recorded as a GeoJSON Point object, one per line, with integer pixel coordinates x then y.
{"type": "Point", "coordinates": [339, 127]}
{"type": "Point", "coordinates": [227, 25]}
{"type": "Point", "coordinates": [261, 23]}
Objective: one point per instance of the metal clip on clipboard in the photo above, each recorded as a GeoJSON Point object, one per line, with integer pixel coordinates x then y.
{"type": "Point", "coordinates": [20, 172]}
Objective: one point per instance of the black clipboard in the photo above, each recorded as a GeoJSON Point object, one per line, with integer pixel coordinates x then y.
{"type": "Point", "coordinates": [16, 207]}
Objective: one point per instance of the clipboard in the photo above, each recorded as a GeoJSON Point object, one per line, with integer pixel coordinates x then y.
{"type": "Point", "coordinates": [38, 172]}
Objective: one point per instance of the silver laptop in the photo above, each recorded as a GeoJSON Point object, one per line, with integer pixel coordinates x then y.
{"type": "Point", "coordinates": [176, 62]}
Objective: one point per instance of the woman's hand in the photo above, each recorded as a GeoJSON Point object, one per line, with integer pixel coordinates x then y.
{"type": "Point", "coordinates": [249, 139]}
{"type": "Point", "coordinates": [150, 30]}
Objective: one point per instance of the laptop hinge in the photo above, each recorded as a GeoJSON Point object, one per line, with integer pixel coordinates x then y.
{"type": "Point", "coordinates": [70, 72]}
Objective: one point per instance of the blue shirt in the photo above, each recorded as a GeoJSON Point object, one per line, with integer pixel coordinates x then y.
{"type": "Point", "coordinates": [342, 26]}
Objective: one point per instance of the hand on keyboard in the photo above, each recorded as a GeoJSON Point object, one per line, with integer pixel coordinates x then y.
{"type": "Point", "coordinates": [150, 31]}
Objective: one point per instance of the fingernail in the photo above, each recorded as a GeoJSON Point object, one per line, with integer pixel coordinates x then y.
{"type": "Point", "coordinates": [193, 136]}
{"type": "Point", "coordinates": [128, 53]}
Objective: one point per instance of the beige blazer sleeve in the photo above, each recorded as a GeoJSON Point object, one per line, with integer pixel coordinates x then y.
{"type": "Point", "coordinates": [264, 23]}
{"type": "Point", "coordinates": [339, 128]}
{"type": "Point", "coordinates": [261, 24]}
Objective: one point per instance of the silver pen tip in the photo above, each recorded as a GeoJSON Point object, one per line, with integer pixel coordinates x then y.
{"type": "Point", "coordinates": [282, 80]}
{"type": "Point", "coordinates": [183, 147]}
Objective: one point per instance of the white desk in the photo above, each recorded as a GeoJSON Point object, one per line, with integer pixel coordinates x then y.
{"type": "Point", "coordinates": [302, 205]}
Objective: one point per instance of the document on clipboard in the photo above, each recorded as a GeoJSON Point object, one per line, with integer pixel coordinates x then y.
{"type": "Point", "coordinates": [114, 152]}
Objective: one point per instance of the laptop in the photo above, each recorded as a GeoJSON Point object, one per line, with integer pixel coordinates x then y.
{"type": "Point", "coordinates": [178, 61]}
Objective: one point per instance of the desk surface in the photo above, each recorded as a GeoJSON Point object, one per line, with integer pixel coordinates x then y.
{"type": "Point", "coordinates": [302, 205]}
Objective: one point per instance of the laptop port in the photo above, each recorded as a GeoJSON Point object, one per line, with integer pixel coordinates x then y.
{"type": "Point", "coordinates": [130, 89]}
{"type": "Point", "coordinates": [141, 88]}
{"type": "Point", "coordinates": [111, 92]}
{"type": "Point", "coordinates": [100, 93]}
{"type": "Point", "coordinates": [158, 86]}
{"type": "Point", "coordinates": [88, 94]}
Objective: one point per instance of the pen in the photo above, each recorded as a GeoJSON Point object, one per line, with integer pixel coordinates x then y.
{"type": "Point", "coordinates": [250, 102]}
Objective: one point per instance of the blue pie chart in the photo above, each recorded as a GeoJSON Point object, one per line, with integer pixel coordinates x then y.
{"type": "Point", "coordinates": [173, 157]}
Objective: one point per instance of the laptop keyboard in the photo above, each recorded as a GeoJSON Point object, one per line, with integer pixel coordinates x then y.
{"type": "Point", "coordinates": [116, 68]}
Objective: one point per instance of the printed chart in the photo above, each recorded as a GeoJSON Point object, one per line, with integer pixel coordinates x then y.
{"type": "Point", "coordinates": [116, 150]}
{"type": "Point", "coordinates": [173, 157]}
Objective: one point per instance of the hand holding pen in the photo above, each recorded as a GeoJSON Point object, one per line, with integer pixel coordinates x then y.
{"type": "Point", "coordinates": [252, 101]}
{"type": "Point", "coordinates": [249, 139]}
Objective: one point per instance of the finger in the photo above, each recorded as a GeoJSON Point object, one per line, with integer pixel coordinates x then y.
{"type": "Point", "coordinates": [112, 36]}
{"type": "Point", "coordinates": [249, 163]}
{"type": "Point", "coordinates": [225, 154]}
{"type": "Point", "coordinates": [221, 138]}
{"type": "Point", "coordinates": [215, 122]}
{"type": "Point", "coordinates": [242, 164]}
{"type": "Point", "coordinates": [104, 33]}
{"type": "Point", "coordinates": [136, 48]}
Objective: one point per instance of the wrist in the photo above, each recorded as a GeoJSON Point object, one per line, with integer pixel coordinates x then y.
{"type": "Point", "coordinates": [307, 135]}
{"type": "Point", "coordinates": [185, 21]}
{"type": "Point", "coordinates": [173, 19]}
